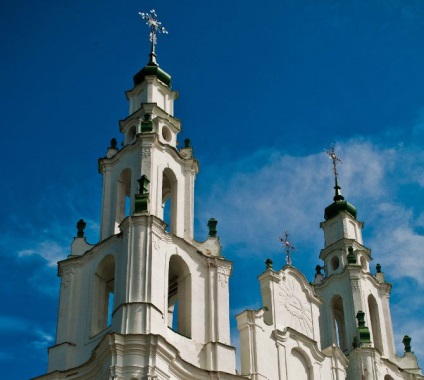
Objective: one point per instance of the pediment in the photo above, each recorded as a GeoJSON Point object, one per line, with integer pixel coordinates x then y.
{"type": "Point", "coordinates": [295, 300]}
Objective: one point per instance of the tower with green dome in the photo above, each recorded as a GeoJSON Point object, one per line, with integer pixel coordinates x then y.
{"type": "Point", "coordinates": [355, 314]}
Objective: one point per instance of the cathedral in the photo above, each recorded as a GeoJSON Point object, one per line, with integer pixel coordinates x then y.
{"type": "Point", "coordinates": [148, 301]}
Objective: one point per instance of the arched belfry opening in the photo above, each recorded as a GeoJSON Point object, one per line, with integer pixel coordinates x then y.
{"type": "Point", "coordinates": [339, 325]}
{"type": "Point", "coordinates": [169, 199]}
{"type": "Point", "coordinates": [375, 323]}
{"type": "Point", "coordinates": [179, 296]}
{"type": "Point", "coordinates": [103, 290]}
{"type": "Point", "coordinates": [123, 197]}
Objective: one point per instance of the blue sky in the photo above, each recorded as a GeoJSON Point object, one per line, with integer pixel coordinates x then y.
{"type": "Point", "coordinates": [263, 90]}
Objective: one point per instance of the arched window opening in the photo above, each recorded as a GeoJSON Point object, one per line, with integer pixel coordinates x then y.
{"type": "Point", "coordinates": [179, 296]}
{"type": "Point", "coordinates": [169, 199]}
{"type": "Point", "coordinates": [339, 327]}
{"type": "Point", "coordinates": [335, 263]}
{"type": "Point", "coordinates": [131, 135]}
{"type": "Point", "coordinates": [123, 197]}
{"type": "Point", "coordinates": [111, 300]}
{"type": "Point", "coordinates": [103, 295]}
{"type": "Point", "coordinates": [299, 367]}
{"type": "Point", "coordinates": [375, 323]}
{"type": "Point", "coordinates": [166, 134]}
{"type": "Point", "coordinates": [127, 206]}
{"type": "Point", "coordinates": [167, 214]}
{"type": "Point", "coordinates": [388, 377]}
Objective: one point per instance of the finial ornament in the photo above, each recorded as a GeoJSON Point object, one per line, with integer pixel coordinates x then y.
{"type": "Point", "coordinates": [268, 263]}
{"type": "Point", "coordinates": [289, 247]}
{"type": "Point", "coordinates": [155, 27]}
{"type": "Point", "coordinates": [212, 227]}
{"type": "Point", "coordinates": [80, 228]}
{"type": "Point", "coordinates": [407, 343]}
{"type": "Point", "coordinates": [336, 161]}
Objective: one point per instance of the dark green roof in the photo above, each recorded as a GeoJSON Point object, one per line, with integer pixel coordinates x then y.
{"type": "Point", "coordinates": [339, 205]}
{"type": "Point", "coordinates": [152, 69]}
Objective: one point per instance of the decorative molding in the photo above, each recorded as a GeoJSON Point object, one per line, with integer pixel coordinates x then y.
{"type": "Point", "coordinates": [223, 274]}
{"type": "Point", "coordinates": [146, 152]}
{"type": "Point", "coordinates": [280, 337]}
{"type": "Point", "coordinates": [378, 368]}
{"type": "Point", "coordinates": [66, 274]}
{"type": "Point", "coordinates": [158, 231]}
{"type": "Point", "coordinates": [355, 285]}
{"type": "Point", "coordinates": [294, 300]}
{"type": "Point", "coordinates": [156, 242]}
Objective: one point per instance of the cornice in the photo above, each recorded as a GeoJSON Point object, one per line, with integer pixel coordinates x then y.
{"type": "Point", "coordinates": [281, 337]}
{"type": "Point", "coordinates": [77, 261]}
{"type": "Point", "coordinates": [306, 287]}
{"type": "Point", "coordinates": [150, 108]}
{"type": "Point", "coordinates": [342, 244]}
{"type": "Point", "coordinates": [342, 214]}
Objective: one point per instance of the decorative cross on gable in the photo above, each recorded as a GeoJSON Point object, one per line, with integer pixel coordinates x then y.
{"type": "Point", "coordinates": [287, 246]}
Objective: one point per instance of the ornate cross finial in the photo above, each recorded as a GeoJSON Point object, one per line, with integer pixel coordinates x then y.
{"type": "Point", "coordinates": [336, 161]}
{"type": "Point", "coordinates": [289, 247]}
{"type": "Point", "coordinates": [155, 27]}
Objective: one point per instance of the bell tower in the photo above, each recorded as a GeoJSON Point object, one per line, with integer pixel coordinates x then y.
{"type": "Point", "coordinates": [148, 300]}
{"type": "Point", "coordinates": [355, 314]}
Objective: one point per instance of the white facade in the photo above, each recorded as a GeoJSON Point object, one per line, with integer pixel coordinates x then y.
{"type": "Point", "coordinates": [150, 302]}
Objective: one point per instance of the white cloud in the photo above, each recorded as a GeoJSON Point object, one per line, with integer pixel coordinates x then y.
{"type": "Point", "coordinates": [257, 197]}
{"type": "Point", "coordinates": [18, 325]}
{"type": "Point", "coordinates": [43, 340]}
{"type": "Point", "coordinates": [49, 250]}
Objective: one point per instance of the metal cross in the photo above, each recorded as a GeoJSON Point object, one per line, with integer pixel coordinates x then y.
{"type": "Point", "coordinates": [289, 247]}
{"type": "Point", "coordinates": [154, 25]}
{"type": "Point", "coordinates": [336, 160]}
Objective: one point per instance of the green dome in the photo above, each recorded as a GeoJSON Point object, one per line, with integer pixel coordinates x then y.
{"type": "Point", "coordinates": [339, 205]}
{"type": "Point", "coordinates": [152, 69]}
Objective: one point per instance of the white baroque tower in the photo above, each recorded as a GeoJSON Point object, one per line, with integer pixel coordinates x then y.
{"type": "Point", "coordinates": [355, 314]}
{"type": "Point", "coordinates": [147, 301]}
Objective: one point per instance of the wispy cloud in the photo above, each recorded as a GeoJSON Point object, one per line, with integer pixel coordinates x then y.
{"type": "Point", "coordinates": [42, 339]}
{"type": "Point", "coordinates": [256, 198]}
{"type": "Point", "coordinates": [16, 325]}
{"type": "Point", "coordinates": [51, 251]}
{"type": "Point", "coordinates": [49, 226]}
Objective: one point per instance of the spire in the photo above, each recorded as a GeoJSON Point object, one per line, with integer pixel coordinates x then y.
{"type": "Point", "coordinates": [336, 161]}
{"type": "Point", "coordinates": [155, 27]}
{"type": "Point", "coordinates": [339, 201]}
{"type": "Point", "coordinates": [152, 67]}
